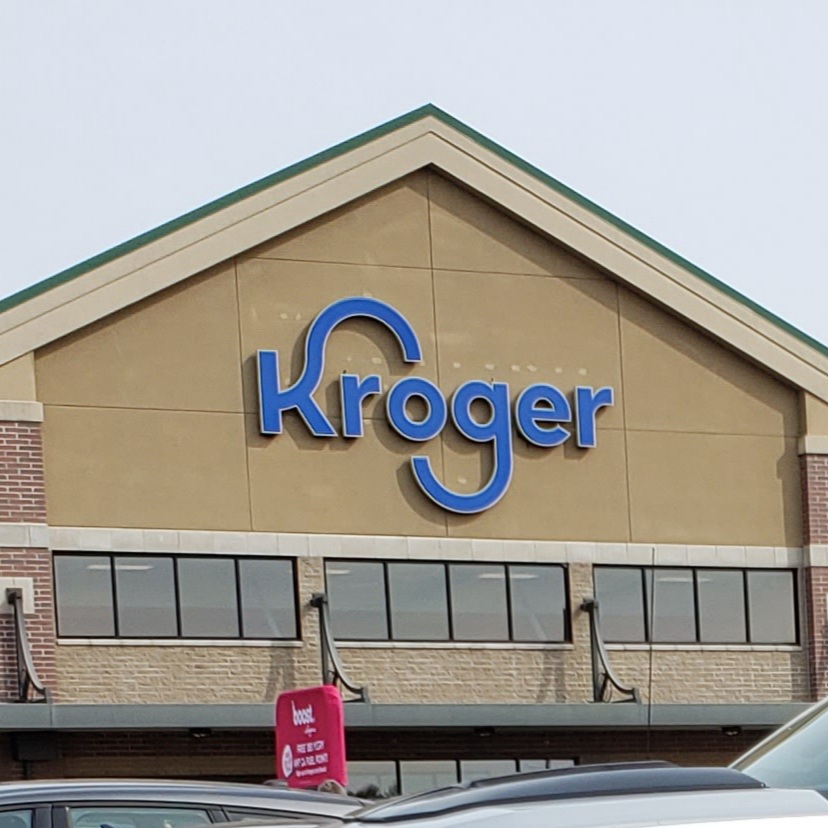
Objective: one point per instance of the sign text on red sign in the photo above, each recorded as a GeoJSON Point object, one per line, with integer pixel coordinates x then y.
{"type": "Point", "coordinates": [310, 737]}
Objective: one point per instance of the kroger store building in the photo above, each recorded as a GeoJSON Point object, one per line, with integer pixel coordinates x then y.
{"type": "Point", "coordinates": [421, 379]}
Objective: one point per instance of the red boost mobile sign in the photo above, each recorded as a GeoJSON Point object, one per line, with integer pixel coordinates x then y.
{"type": "Point", "coordinates": [310, 737]}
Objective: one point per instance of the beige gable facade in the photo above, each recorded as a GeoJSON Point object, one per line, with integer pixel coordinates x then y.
{"type": "Point", "coordinates": [154, 408]}
{"type": "Point", "coordinates": [143, 370]}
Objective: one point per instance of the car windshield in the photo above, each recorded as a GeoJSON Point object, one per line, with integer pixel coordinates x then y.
{"type": "Point", "coordinates": [795, 756]}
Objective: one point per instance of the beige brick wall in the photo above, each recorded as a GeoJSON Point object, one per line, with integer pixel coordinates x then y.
{"type": "Point", "coordinates": [718, 676]}
{"type": "Point", "coordinates": [459, 674]}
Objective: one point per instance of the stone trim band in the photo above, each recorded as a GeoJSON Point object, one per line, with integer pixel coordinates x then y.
{"type": "Point", "coordinates": [423, 548]}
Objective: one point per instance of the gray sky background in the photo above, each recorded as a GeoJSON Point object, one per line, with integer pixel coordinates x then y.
{"type": "Point", "coordinates": [702, 122]}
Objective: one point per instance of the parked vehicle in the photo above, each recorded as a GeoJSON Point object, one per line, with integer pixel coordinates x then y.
{"type": "Point", "coordinates": [159, 804]}
{"type": "Point", "coordinates": [640, 796]}
{"type": "Point", "coordinates": [633, 794]}
{"type": "Point", "coordinates": [795, 755]}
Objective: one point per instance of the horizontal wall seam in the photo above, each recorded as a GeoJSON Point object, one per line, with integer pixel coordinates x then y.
{"type": "Point", "coordinates": [379, 415]}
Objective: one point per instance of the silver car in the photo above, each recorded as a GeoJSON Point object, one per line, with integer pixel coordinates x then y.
{"type": "Point", "coordinates": [634, 795]}
{"type": "Point", "coordinates": [159, 804]}
{"type": "Point", "coordinates": [623, 796]}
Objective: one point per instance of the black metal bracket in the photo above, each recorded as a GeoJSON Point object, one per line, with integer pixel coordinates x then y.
{"type": "Point", "coordinates": [333, 671]}
{"type": "Point", "coordinates": [29, 686]}
{"type": "Point", "coordinates": [604, 680]}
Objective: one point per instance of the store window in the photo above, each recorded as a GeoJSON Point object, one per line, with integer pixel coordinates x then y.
{"type": "Point", "coordinates": [373, 780]}
{"type": "Point", "coordinates": [357, 595]}
{"type": "Point", "coordinates": [474, 769]}
{"type": "Point", "coordinates": [384, 778]}
{"type": "Point", "coordinates": [538, 601]}
{"type": "Point", "coordinates": [433, 602]}
{"type": "Point", "coordinates": [478, 602]}
{"type": "Point", "coordinates": [722, 617]}
{"type": "Point", "coordinates": [418, 601]}
{"type": "Point", "coordinates": [159, 596]}
{"type": "Point", "coordinates": [207, 598]}
{"type": "Point", "coordinates": [772, 605]}
{"type": "Point", "coordinates": [146, 597]}
{"type": "Point", "coordinates": [266, 594]}
{"type": "Point", "coordinates": [83, 594]}
{"type": "Point", "coordinates": [424, 775]}
{"type": "Point", "coordinates": [620, 595]}
{"type": "Point", "coordinates": [695, 605]}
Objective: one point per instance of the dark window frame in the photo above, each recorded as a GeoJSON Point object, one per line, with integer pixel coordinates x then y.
{"type": "Point", "coordinates": [445, 564]}
{"type": "Point", "coordinates": [175, 558]}
{"type": "Point", "coordinates": [648, 605]}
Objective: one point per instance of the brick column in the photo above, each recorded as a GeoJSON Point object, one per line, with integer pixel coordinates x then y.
{"type": "Point", "coordinates": [25, 559]}
{"type": "Point", "coordinates": [814, 468]}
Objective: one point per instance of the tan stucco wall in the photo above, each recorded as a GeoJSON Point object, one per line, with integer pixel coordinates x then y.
{"type": "Point", "coordinates": [153, 409]}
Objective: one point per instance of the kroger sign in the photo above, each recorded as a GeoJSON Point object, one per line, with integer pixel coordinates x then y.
{"type": "Point", "coordinates": [542, 413]}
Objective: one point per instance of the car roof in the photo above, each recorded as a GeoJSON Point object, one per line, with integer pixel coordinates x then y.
{"type": "Point", "coordinates": [585, 781]}
{"type": "Point", "coordinates": [206, 793]}
{"type": "Point", "coordinates": [751, 808]}
{"type": "Point", "coordinates": [658, 809]}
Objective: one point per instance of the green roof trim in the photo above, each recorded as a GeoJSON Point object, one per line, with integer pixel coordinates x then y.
{"type": "Point", "coordinates": [360, 140]}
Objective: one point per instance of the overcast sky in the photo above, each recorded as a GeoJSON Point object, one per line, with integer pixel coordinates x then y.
{"type": "Point", "coordinates": [703, 123]}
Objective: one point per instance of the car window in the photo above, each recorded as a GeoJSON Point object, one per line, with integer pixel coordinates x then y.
{"type": "Point", "coordinates": [16, 819]}
{"type": "Point", "coordinates": [796, 756]}
{"type": "Point", "coordinates": [134, 817]}
{"type": "Point", "coordinates": [272, 817]}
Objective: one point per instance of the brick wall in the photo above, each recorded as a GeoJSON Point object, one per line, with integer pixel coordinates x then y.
{"type": "Point", "coordinates": [23, 500]}
{"type": "Point", "coordinates": [715, 676]}
{"type": "Point", "coordinates": [248, 755]}
{"type": "Point", "coordinates": [22, 489]}
{"type": "Point", "coordinates": [814, 498]}
{"type": "Point", "coordinates": [815, 533]}
{"type": "Point", "coordinates": [816, 616]}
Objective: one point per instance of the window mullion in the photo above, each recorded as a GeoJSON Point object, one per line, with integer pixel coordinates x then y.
{"type": "Point", "coordinates": [116, 610]}
{"type": "Point", "coordinates": [177, 588]}
{"type": "Point", "coordinates": [389, 626]}
{"type": "Point", "coordinates": [507, 580]}
{"type": "Point", "coordinates": [449, 604]}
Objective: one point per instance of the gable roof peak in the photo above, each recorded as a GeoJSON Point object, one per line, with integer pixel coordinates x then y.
{"type": "Point", "coordinates": [426, 136]}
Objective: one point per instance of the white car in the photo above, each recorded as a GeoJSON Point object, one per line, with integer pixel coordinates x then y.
{"type": "Point", "coordinates": [771, 809]}
{"type": "Point", "coordinates": [622, 796]}
{"type": "Point", "coordinates": [795, 755]}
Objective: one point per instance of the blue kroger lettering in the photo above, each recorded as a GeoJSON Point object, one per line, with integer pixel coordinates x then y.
{"type": "Point", "coordinates": [427, 391]}
{"type": "Point", "coordinates": [497, 430]}
{"type": "Point", "coordinates": [273, 401]}
{"type": "Point", "coordinates": [543, 404]}
{"type": "Point", "coordinates": [541, 411]}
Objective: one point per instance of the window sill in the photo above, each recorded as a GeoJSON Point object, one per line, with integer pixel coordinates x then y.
{"type": "Point", "coordinates": [175, 642]}
{"type": "Point", "coordinates": [449, 645]}
{"type": "Point", "coordinates": [707, 648]}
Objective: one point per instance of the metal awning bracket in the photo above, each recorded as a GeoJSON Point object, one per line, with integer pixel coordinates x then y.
{"type": "Point", "coordinates": [333, 670]}
{"type": "Point", "coordinates": [29, 686]}
{"type": "Point", "coordinates": [604, 679]}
